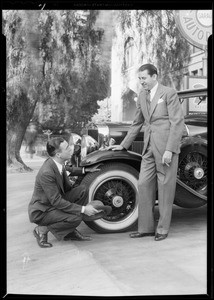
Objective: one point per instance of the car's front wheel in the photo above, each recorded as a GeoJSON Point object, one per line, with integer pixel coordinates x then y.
{"type": "Point", "coordinates": [115, 185]}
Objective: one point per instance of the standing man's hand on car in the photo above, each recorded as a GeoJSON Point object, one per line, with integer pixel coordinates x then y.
{"type": "Point", "coordinates": [115, 148]}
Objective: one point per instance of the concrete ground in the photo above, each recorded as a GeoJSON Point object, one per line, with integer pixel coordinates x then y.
{"type": "Point", "coordinates": [110, 264]}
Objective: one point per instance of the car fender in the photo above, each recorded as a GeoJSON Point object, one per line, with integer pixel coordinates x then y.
{"type": "Point", "coordinates": [194, 141]}
{"type": "Point", "coordinates": [187, 197]}
{"type": "Point", "coordinates": [100, 156]}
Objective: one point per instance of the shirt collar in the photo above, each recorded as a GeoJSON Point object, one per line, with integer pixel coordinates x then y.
{"type": "Point", "coordinates": [153, 90]}
{"type": "Point", "coordinates": [59, 166]}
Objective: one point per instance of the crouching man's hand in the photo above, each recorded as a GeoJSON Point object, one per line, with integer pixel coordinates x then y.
{"type": "Point", "coordinates": [93, 169]}
{"type": "Point", "coordinates": [90, 210]}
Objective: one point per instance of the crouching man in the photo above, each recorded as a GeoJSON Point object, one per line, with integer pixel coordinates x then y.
{"type": "Point", "coordinates": [56, 206]}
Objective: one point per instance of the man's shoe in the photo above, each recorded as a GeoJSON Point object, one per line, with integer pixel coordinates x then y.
{"type": "Point", "coordinates": [77, 236]}
{"type": "Point", "coordinates": [139, 234]}
{"type": "Point", "coordinates": [42, 239]}
{"type": "Point", "coordinates": [160, 236]}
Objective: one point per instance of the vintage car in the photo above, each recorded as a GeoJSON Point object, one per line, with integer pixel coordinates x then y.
{"type": "Point", "coordinates": [116, 182]}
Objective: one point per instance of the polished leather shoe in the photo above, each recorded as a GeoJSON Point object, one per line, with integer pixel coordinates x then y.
{"type": "Point", "coordinates": [77, 236]}
{"type": "Point", "coordinates": [42, 239]}
{"type": "Point", "coordinates": [160, 236]}
{"type": "Point", "coordinates": [139, 234]}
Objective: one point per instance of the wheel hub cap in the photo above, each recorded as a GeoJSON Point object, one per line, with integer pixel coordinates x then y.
{"type": "Point", "coordinates": [198, 173]}
{"type": "Point", "coordinates": [117, 201]}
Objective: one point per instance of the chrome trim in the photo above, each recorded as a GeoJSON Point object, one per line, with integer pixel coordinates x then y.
{"type": "Point", "coordinates": [187, 130]}
{"type": "Point", "coordinates": [198, 173]}
{"type": "Point", "coordinates": [192, 93]}
{"type": "Point", "coordinates": [88, 145]}
{"type": "Point", "coordinates": [103, 135]}
{"type": "Point", "coordinates": [74, 139]}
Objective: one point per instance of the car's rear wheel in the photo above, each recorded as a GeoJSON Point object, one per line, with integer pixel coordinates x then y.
{"type": "Point", "coordinates": [115, 185]}
{"type": "Point", "coordinates": [192, 171]}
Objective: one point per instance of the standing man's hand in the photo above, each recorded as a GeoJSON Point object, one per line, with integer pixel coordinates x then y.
{"type": "Point", "coordinates": [167, 158]}
{"type": "Point", "coordinates": [115, 148]}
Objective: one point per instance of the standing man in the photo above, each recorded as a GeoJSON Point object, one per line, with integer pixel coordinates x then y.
{"type": "Point", "coordinates": [56, 206]}
{"type": "Point", "coordinates": [159, 109]}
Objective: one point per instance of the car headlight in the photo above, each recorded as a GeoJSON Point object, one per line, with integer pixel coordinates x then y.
{"type": "Point", "coordinates": [74, 142]}
{"type": "Point", "coordinates": [104, 138]}
{"type": "Point", "coordinates": [88, 145]}
{"type": "Point", "coordinates": [74, 139]}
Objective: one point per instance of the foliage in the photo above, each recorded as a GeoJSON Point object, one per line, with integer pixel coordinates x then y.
{"type": "Point", "coordinates": [24, 77]}
{"type": "Point", "coordinates": [74, 77]}
{"type": "Point", "coordinates": [23, 65]}
{"type": "Point", "coordinates": [77, 79]}
{"type": "Point", "coordinates": [104, 112]}
{"type": "Point", "coordinates": [55, 72]}
{"type": "Point", "coordinates": [160, 39]}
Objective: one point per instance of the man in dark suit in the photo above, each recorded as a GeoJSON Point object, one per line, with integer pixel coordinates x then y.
{"type": "Point", "coordinates": [56, 206]}
{"type": "Point", "coordinates": [159, 110]}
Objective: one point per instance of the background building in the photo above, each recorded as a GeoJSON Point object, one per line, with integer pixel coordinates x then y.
{"type": "Point", "coordinates": [130, 49]}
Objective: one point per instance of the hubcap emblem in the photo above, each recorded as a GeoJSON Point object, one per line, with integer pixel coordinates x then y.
{"type": "Point", "coordinates": [198, 173]}
{"type": "Point", "coordinates": [117, 201]}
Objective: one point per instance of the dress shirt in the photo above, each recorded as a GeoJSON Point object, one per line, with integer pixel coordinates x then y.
{"type": "Point", "coordinates": [59, 166]}
{"type": "Point", "coordinates": [153, 91]}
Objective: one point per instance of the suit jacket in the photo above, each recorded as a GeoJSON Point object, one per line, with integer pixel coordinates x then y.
{"type": "Point", "coordinates": [50, 186]}
{"type": "Point", "coordinates": [164, 124]}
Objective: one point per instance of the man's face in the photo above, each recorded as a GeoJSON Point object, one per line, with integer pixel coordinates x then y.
{"type": "Point", "coordinates": [147, 81]}
{"type": "Point", "coordinates": [65, 151]}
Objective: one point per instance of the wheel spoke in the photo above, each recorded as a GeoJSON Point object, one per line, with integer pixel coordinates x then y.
{"type": "Point", "coordinates": [116, 188]}
{"type": "Point", "coordinates": [188, 165]}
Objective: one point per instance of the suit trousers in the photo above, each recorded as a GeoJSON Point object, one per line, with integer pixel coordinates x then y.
{"type": "Point", "coordinates": [61, 223]}
{"type": "Point", "coordinates": [154, 175]}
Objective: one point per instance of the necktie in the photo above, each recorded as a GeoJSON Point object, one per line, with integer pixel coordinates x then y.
{"type": "Point", "coordinates": [148, 99]}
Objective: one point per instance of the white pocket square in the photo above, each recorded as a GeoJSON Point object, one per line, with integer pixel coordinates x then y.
{"type": "Point", "coordinates": [160, 100]}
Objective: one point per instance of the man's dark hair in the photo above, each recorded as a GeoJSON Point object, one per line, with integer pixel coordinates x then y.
{"type": "Point", "coordinates": [53, 145]}
{"type": "Point", "coordinates": [150, 68]}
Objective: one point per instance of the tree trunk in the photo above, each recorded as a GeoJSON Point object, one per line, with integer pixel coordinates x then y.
{"type": "Point", "coordinates": [15, 134]}
{"type": "Point", "coordinates": [29, 92]}
{"type": "Point", "coordinates": [14, 142]}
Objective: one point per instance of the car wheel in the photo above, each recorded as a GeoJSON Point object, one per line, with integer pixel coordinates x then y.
{"type": "Point", "coordinates": [115, 185]}
{"type": "Point", "coordinates": [192, 171]}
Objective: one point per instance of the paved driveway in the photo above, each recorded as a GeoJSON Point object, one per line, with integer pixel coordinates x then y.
{"type": "Point", "coordinates": [110, 264]}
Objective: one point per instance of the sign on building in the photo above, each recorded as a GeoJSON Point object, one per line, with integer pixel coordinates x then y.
{"type": "Point", "coordinates": [195, 104]}
{"type": "Point", "coordinates": [195, 26]}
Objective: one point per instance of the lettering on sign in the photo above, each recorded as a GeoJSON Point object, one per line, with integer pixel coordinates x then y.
{"type": "Point", "coordinates": [195, 26]}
